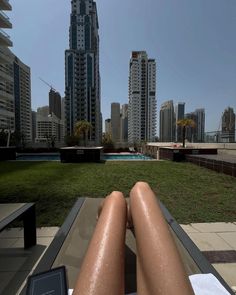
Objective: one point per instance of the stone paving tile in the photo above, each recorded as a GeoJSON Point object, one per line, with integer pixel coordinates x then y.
{"type": "Point", "coordinates": [214, 227]}
{"type": "Point", "coordinates": [44, 241]}
{"type": "Point", "coordinates": [13, 263]}
{"type": "Point", "coordinates": [5, 279]}
{"type": "Point", "coordinates": [11, 282]}
{"type": "Point", "coordinates": [188, 228]}
{"type": "Point", "coordinates": [209, 241]}
{"type": "Point", "coordinates": [47, 231]}
{"type": "Point", "coordinates": [230, 238]}
{"type": "Point", "coordinates": [16, 232]}
{"type": "Point", "coordinates": [7, 243]}
{"type": "Point", "coordinates": [228, 272]}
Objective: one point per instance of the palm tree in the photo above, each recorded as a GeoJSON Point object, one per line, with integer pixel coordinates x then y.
{"type": "Point", "coordinates": [184, 123]}
{"type": "Point", "coordinates": [82, 127]}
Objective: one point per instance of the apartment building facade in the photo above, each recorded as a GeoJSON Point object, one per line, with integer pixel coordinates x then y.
{"type": "Point", "coordinates": [22, 99]}
{"type": "Point", "coordinates": [7, 108]}
{"type": "Point", "coordinates": [49, 129]}
{"type": "Point", "coordinates": [142, 98]}
{"type": "Point", "coordinates": [55, 103]}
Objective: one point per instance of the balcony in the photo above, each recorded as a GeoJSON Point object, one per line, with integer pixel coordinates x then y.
{"type": "Point", "coordinates": [5, 76]}
{"type": "Point", "coordinates": [5, 5]}
{"type": "Point", "coordinates": [6, 95]}
{"type": "Point", "coordinates": [4, 21]}
{"type": "Point", "coordinates": [4, 57]}
{"type": "Point", "coordinates": [5, 39]}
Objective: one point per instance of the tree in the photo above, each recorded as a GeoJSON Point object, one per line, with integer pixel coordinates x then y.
{"type": "Point", "coordinates": [185, 123]}
{"type": "Point", "coordinates": [82, 128]}
{"type": "Point", "coordinates": [51, 140]}
{"type": "Point", "coordinates": [107, 141]}
{"type": "Point", "coordinates": [3, 137]}
{"type": "Point", "coordinates": [71, 140]}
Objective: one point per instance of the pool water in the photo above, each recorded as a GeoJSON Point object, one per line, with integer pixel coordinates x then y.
{"type": "Point", "coordinates": [56, 157]}
{"type": "Point", "coordinates": [38, 157]}
{"type": "Point", "coordinates": [125, 157]}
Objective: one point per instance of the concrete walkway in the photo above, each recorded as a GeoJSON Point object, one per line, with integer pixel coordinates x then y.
{"type": "Point", "coordinates": [16, 263]}
{"type": "Point", "coordinates": [217, 237]}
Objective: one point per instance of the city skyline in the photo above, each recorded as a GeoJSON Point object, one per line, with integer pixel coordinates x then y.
{"type": "Point", "coordinates": [195, 56]}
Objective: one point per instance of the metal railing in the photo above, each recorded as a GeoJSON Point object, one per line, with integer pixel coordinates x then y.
{"type": "Point", "coordinates": [4, 33]}
{"type": "Point", "coordinates": [4, 15]}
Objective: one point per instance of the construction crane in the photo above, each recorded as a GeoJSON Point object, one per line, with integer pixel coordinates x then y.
{"type": "Point", "coordinates": [52, 88]}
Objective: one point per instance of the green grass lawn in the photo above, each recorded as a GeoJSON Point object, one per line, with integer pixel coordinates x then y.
{"type": "Point", "coordinates": [191, 193]}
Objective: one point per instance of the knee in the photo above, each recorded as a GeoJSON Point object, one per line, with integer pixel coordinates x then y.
{"type": "Point", "coordinates": [117, 198]}
{"type": "Point", "coordinates": [140, 192]}
{"type": "Point", "coordinates": [139, 187]}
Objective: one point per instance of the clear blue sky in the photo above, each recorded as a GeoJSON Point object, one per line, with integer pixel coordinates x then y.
{"type": "Point", "coordinates": [193, 42]}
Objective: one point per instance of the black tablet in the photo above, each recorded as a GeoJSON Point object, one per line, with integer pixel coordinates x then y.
{"type": "Point", "coordinates": [52, 282]}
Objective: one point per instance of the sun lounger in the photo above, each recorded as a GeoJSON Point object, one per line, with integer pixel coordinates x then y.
{"type": "Point", "coordinates": [71, 241]}
{"type": "Point", "coordinates": [20, 211]}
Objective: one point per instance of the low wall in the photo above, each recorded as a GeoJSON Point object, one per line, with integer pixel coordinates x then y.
{"type": "Point", "coordinates": [80, 154]}
{"type": "Point", "coordinates": [152, 149]}
{"type": "Point", "coordinates": [216, 165]}
{"type": "Point", "coordinates": [223, 148]}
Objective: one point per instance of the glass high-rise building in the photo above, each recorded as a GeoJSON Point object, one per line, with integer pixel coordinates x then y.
{"type": "Point", "coordinates": [179, 115]}
{"type": "Point", "coordinates": [82, 77]}
{"type": "Point", "coordinates": [115, 122]}
{"type": "Point", "coordinates": [196, 133]}
{"type": "Point", "coordinates": [228, 125]}
{"type": "Point", "coordinates": [167, 122]}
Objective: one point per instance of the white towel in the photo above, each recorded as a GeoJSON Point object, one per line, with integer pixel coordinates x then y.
{"type": "Point", "coordinates": [207, 284]}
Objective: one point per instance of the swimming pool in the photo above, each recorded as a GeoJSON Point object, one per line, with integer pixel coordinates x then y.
{"type": "Point", "coordinates": [106, 157]}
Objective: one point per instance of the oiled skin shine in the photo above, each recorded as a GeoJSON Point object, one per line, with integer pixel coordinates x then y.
{"type": "Point", "coordinates": [159, 268]}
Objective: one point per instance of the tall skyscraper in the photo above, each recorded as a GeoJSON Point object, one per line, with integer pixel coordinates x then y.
{"type": "Point", "coordinates": [228, 125]}
{"type": "Point", "coordinates": [124, 123]}
{"type": "Point", "coordinates": [55, 103]}
{"type": "Point", "coordinates": [22, 98]}
{"type": "Point", "coordinates": [200, 125]}
{"type": "Point", "coordinates": [167, 122]}
{"type": "Point", "coordinates": [191, 132]}
{"type": "Point", "coordinates": [82, 77]}
{"type": "Point", "coordinates": [7, 108]}
{"type": "Point", "coordinates": [108, 126]}
{"type": "Point", "coordinates": [196, 133]}
{"type": "Point", "coordinates": [33, 120]}
{"type": "Point", "coordinates": [142, 98]}
{"type": "Point", "coordinates": [115, 122]}
{"type": "Point", "coordinates": [179, 115]}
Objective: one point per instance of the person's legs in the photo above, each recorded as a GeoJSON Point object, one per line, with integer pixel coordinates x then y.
{"type": "Point", "coordinates": [102, 271]}
{"type": "Point", "coordinates": [160, 269]}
